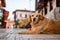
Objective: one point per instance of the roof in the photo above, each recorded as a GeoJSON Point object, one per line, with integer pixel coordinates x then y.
{"type": "Point", "coordinates": [23, 11]}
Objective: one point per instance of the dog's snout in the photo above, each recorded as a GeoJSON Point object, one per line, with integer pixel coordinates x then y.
{"type": "Point", "coordinates": [34, 19]}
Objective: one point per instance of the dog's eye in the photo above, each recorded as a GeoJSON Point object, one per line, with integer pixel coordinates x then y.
{"type": "Point", "coordinates": [32, 15]}
{"type": "Point", "coordinates": [36, 15]}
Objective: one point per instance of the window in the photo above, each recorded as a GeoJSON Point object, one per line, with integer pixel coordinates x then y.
{"type": "Point", "coordinates": [20, 15]}
{"type": "Point", "coordinates": [45, 0]}
{"type": "Point", "coordinates": [45, 10]}
{"type": "Point", "coordinates": [59, 10]}
{"type": "Point", "coordinates": [38, 0]}
{"type": "Point", "coordinates": [25, 15]}
{"type": "Point", "coordinates": [57, 13]}
{"type": "Point", "coordinates": [1, 14]}
{"type": "Point", "coordinates": [1, 17]}
{"type": "Point", "coordinates": [51, 6]}
{"type": "Point", "coordinates": [58, 3]}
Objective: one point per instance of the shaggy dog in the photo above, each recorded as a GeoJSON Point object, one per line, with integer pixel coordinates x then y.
{"type": "Point", "coordinates": [43, 25]}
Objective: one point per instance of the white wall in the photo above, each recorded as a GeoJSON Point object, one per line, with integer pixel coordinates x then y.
{"type": "Point", "coordinates": [50, 15]}
{"type": "Point", "coordinates": [23, 14]}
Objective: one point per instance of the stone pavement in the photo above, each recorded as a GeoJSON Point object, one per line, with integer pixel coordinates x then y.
{"type": "Point", "coordinates": [11, 34]}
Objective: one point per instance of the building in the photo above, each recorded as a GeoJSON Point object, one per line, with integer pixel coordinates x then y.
{"type": "Point", "coordinates": [3, 16]}
{"type": "Point", "coordinates": [2, 3]}
{"type": "Point", "coordinates": [6, 14]}
{"type": "Point", "coordinates": [21, 14]}
{"type": "Point", "coordinates": [47, 7]}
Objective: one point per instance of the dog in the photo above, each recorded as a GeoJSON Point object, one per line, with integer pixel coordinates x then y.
{"type": "Point", "coordinates": [42, 25]}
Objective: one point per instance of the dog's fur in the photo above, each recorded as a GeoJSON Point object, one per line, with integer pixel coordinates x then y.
{"type": "Point", "coordinates": [43, 25]}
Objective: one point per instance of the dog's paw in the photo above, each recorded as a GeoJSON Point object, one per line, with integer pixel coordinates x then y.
{"type": "Point", "coordinates": [22, 32]}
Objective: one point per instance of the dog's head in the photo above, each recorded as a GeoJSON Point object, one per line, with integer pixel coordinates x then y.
{"type": "Point", "coordinates": [34, 18]}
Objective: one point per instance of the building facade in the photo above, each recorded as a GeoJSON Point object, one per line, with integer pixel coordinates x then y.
{"type": "Point", "coordinates": [21, 14]}
{"type": "Point", "coordinates": [2, 3]}
{"type": "Point", "coordinates": [3, 16]}
{"type": "Point", "coordinates": [47, 7]}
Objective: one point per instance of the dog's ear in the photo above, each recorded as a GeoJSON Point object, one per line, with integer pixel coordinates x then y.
{"type": "Point", "coordinates": [41, 17]}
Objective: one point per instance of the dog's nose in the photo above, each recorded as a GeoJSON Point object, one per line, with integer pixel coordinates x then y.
{"type": "Point", "coordinates": [34, 19]}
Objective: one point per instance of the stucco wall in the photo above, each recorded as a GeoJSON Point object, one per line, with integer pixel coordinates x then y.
{"type": "Point", "coordinates": [54, 14]}
{"type": "Point", "coordinates": [50, 15]}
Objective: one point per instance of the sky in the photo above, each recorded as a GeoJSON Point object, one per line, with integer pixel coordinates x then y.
{"type": "Point", "coordinates": [12, 5]}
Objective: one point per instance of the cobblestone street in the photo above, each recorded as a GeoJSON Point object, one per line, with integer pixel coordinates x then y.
{"type": "Point", "coordinates": [11, 34]}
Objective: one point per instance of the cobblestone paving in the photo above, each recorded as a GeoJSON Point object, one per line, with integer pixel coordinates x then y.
{"type": "Point", "coordinates": [11, 34]}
